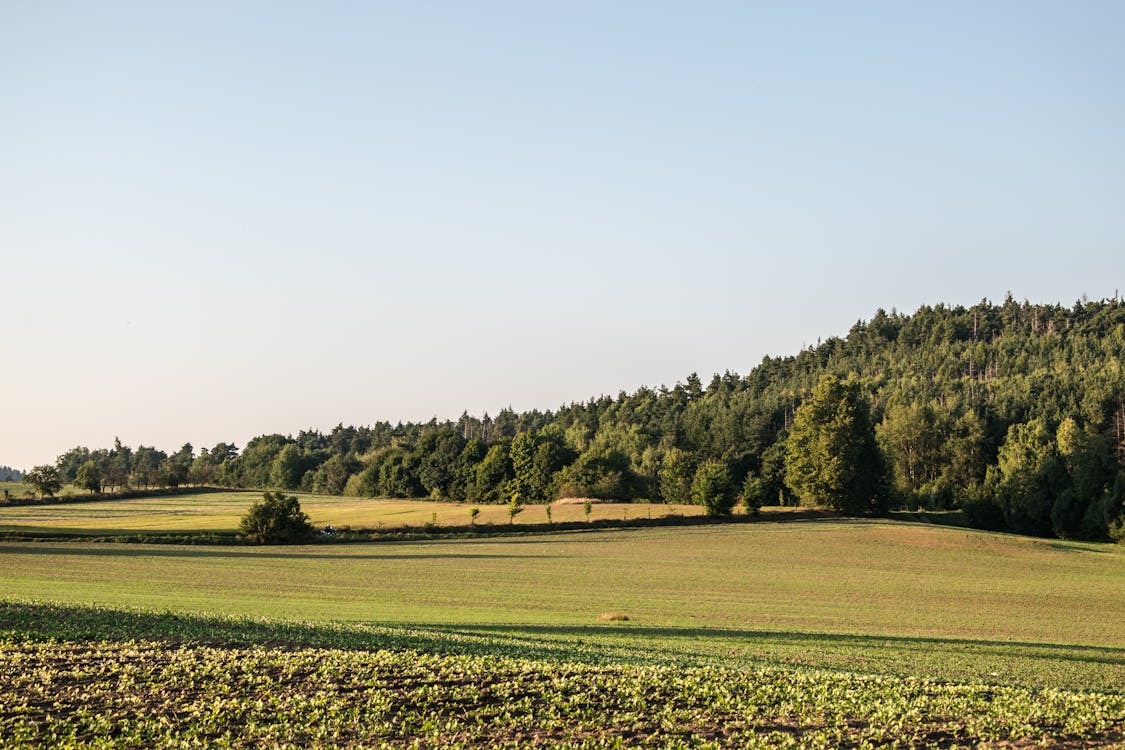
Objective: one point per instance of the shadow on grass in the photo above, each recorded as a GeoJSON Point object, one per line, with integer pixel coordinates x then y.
{"type": "Point", "coordinates": [537, 633]}
{"type": "Point", "coordinates": [606, 643]}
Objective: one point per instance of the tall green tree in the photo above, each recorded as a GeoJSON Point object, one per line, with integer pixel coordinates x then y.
{"type": "Point", "coordinates": [1032, 476]}
{"type": "Point", "coordinates": [288, 468]}
{"type": "Point", "coordinates": [831, 458]}
{"type": "Point", "coordinates": [493, 474]}
{"type": "Point", "coordinates": [146, 467]}
{"type": "Point", "coordinates": [713, 488]}
{"type": "Point", "coordinates": [89, 477]}
{"type": "Point", "coordinates": [119, 465]}
{"type": "Point", "coordinates": [677, 471]}
{"type": "Point", "coordinates": [45, 480]}
{"type": "Point", "coordinates": [177, 466]}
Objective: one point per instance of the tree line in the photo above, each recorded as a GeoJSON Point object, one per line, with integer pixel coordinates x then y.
{"type": "Point", "coordinates": [1012, 412]}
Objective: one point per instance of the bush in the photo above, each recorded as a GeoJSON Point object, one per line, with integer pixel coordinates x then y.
{"type": "Point", "coordinates": [713, 489]}
{"type": "Point", "coordinates": [753, 494]}
{"type": "Point", "coordinates": [276, 519]}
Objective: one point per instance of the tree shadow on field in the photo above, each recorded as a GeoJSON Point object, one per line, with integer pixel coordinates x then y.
{"type": "Point", "coordinates": [538, 636]}
{"type": "Point", "coordinates": [974, 660]}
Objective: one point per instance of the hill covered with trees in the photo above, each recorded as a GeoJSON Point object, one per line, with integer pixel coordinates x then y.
{"type": "Point", "coordinates": [1013, 412]}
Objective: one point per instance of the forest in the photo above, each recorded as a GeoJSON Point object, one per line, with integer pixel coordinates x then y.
{"type": "Point", "coordinates": [1012, 413]}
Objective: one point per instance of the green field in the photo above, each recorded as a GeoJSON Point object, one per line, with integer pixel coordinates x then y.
{"type": "Point", "coordinates": [792, 602]}
{"type": "Point", "coordinates": [86, 678]}
{"type": "Point", "coordinates": [873, 596]}
{"type": "Point", "coordinates": [218, 511]}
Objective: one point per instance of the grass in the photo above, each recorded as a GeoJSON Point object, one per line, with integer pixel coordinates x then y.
{"type": "Point", "coordinates": [810, 633]}
{"type": "Point", "coordinates": [15, 489]}
{"type": "Point", "coordinates": [876, 597]}
{"type": "Point", "coordinates": [221, 511]}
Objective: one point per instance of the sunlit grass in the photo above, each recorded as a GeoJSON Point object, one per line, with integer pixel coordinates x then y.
{"type": "Point", "coordinates": [872, 596]}
{"type": "Point", "coordinates": [219, 511]}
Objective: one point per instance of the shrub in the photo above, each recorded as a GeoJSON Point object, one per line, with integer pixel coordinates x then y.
{"type": "Point", "coordinates": [712, 488]}
{"type": "Point", "coordinates": [753, 493]}
{"type": "Point", "coordinates": [275, 519]}
{"type": "Point", "coordinates": [515, 507]}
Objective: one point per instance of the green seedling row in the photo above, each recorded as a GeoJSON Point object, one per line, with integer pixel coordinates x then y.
{"type": "Point", "coordinates": [192, 682]}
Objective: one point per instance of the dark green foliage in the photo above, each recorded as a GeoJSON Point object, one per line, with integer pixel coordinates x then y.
{"type": "Point", "coordinates": [438, 451]}
{"type": "Point", "coordinates": [69, 462]}
{"type": "Point", "coordinates": [603, 473]}
{"type": "Point", "coordinates": [118, 465]}
{"type": "Point", "coordinates": [536, 461]}
{"type": "Point", "coordinates": [177, 466]}
{"type": "Point", "coordinates": [774, 491]}
{"type": "Point", "coordinates": [331, 477]}
{"type": "Point", "coordinates": [1113, 509]}
{"type": "Point", "coordinates": [493, 474]}
{"type": "Point", "coordinates": [831, 458]}
{"type": "Point", "coordinates": [89, 477]}
{"type": "Point", "coordinates": [1030, 477]}
{"type": "Point", "coordinates": [208, 466]}
{"type": "Point", "coordinates": [45, 480]}
{"type": "Point", "coordinates": [398, 475]}
{"type": "Point", "coordinates": [254, 466]}
{"type": "Point", "coordinates": [146, 467]}
{"type": "Point", "coordinates": [944, 385]}
{"type": "Point", "coordinates": [713, 489]}
{"type": "Point", "coordinates": [287, 468]}
{"type": "Point", "coordinates": [275, 519]}
{"type": "Point", "coordinates": [754, 493]}
{"type": "Point", "coordinates": [676, 474]}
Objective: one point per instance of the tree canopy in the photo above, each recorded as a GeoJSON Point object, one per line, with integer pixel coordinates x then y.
{"type": "Point", "coordinates": [275, 519]}
{"type": "Point", "coordinates": [1013, 412]}
{"type": "Point", "coordinates": [831, 459]}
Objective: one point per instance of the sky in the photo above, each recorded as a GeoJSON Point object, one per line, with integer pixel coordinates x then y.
{"type": "Point", "coordinates": [226, 219]}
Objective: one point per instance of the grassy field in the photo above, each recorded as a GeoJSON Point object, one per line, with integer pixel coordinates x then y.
{"type": "Point", "coordinates": [15, 489]}
{"type": "Point", "coordinates": [218, 511]}
{"type": "Point", "coordinates": [788, 631]}
{"type": "Point", "coordinates": [877, 597]}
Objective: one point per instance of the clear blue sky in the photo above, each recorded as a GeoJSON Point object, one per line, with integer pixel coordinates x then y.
{"type": "Point", "coordinates": [221, 219]}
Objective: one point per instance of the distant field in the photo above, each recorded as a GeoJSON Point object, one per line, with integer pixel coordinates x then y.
{"type": "Point", "coordinates": [15, 489]}
{"type": "Point", "coordinates": [876, 597]}
{"type": "Point", "coordinates": [20, 489]}
{"type": "Point", "coordinates": [221, 511]}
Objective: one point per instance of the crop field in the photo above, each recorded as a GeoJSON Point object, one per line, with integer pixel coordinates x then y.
{"type": "Point", "coordinates": [218, 511]}
{"type": "Point", "coordinates": [806, 632]}
{"type": "Point", "coordinates": [197, 682]}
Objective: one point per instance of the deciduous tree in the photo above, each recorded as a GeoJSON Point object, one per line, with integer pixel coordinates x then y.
{"type": "Point", "coordinates": [831, 458]}
{"type": "Point", "coordinates": [45, 480]}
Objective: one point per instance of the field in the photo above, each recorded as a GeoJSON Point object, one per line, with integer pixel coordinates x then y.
{"type": "Point", "coordinates": [199, 683]}
{"type": "Point", "coordinates": [218, 511]}
{"type": "Point", "coordinates": [810, 632]}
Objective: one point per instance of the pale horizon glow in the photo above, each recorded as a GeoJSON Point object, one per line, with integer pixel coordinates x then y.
{"type": "Point", "coordinates": [225, 220]}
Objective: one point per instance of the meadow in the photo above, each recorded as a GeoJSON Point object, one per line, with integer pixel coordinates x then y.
{"type": "Point", "coordinates": [221, 510]}
{"type": "Point", "coordinates": [812, 632]}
